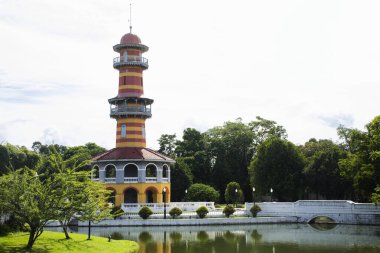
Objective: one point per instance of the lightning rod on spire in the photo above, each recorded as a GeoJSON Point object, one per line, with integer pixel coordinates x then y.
{"type": "Point", "coordinates": [130, 17]}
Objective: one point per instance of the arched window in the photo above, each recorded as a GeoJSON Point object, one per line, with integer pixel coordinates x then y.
{"type": "Point", "coordinates": [130, 170]}
{"type": "Point", "coordinates": [151, 171]}
{"type": "Point", "coordinates": [130, 196]}
{"type": "Point", "coordinates": [165, 171]}
{"type": "Point", "coordinates": [123, 131]}
{"type": "Point", "coordinates": [125, 56]}
{"type": "Point", "coordinates": [95, 172]}
{"type": "Point", "coordinates": [110, 171]}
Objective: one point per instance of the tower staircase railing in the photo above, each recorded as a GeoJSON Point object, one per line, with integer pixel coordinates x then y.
{"type": "Point", "coordinates": [131, 59]}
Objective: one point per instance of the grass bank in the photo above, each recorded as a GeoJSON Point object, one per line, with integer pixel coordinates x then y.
{"type": "Point", "coordinates": [55, 242]}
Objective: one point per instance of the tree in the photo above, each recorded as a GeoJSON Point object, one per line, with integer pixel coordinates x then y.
{"type": "Point", "coordinates": [233, 193]}
{"type": "Point", "coordinates": [82, 195]}
{"type": "Point", "coordinates": [202, 192]}
{"type": "Point", "coordinates": [95, 207]}
{"type": "Point", "coordinates": [264, 129]}
{"type": "Point", "coordinates": [167, 144]}
{"type": "Point", "coordinates": [71, 183]}
{"type": "Point", "coordinates": [192, 142]}
{"type": "Point", "coordinates": [362, 164]}
{"type": "Point", "coordinates": [4, 160]}
{"type": "Point", "coordinates": [375, 197]}
{"type": "Point", "coordinates": [322, 175]}
{"type": "Point", "coordinates": [181, 179]}
{"type": "Point", "coordinates": [230, 150]}
{"type": "Point", "coordinates": [94, 149]}
{"type": "Point", "coordinates": [192, 148]}
{"type": "Point", "coordinates": [30, 200]}
{"type": "Point", "coordinates": [15, 157]}
{"type": "Point", "coordinates": [278, 164]}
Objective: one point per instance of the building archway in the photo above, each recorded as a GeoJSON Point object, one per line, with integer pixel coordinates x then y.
{"type": "Point", "coordinates": [151, 195]}
{"type": "Point", "coordinates": [130, 170]}
{"type": "Point", "coordinates": [110, 171]}
{"type": "Point", "coordinates": [130, 195]}
{"type": "Point", "coordinates": [151, 170]}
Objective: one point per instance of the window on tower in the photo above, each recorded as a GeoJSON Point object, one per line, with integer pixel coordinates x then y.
{"type": "Point", "coordinates": [143, 132]}
{"type": "Point", "coordinates": [125, 56]}
{"type": "Point", "coordinates": [123, 131]}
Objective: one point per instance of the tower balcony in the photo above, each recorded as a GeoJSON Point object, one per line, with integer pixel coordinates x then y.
{"type": "Point", "coordinates": [123, 110]}
{"type": "Point", "coordinates": [130, 60]}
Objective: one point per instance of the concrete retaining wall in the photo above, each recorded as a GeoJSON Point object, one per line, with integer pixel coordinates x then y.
{"type": "Point", "coordinates": [191, 222]}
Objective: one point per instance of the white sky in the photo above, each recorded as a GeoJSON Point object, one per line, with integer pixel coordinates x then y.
{"type": "Point", "coordinates": [309, 65]}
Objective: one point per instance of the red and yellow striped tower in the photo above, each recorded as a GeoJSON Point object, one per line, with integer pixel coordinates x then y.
{"type": "Point", "coordinates": [129, 108]}
{"type": "Point", "coordinates": [135, 174]}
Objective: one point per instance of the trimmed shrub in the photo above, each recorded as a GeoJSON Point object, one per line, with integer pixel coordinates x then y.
{"type": "Point", "coordinates": [117, 211]}
{"type": "Point", "coordinates": [254, 210]}
{"type": "Point", "coordinates": [145, 212]}
{"type": "Point", "coordinates": [202, 192]}
{"type": "Point", "coordinates": [202, 212]}
{"type": "Point", "coordinates": [228, 211]}
{"type": "Point", "coordinates": [175, 212]}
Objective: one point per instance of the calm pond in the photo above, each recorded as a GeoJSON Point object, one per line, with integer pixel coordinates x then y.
{"type": "Point", "coordinates": [270, 238]}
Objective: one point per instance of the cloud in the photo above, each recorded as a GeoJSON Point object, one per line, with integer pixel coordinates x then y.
{"type": "Point", "coordinates": [334, 121]}
{"type": "Point", "coordinates": [32, 92]}
{"type": "Point", "coordinates": [51, 136]}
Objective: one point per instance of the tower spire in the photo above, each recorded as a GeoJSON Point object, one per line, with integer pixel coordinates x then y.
{"type": "Point", "coordinates": [130, 17]}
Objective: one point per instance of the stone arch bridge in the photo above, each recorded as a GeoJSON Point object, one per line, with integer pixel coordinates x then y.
{"type": "Point", "coordinates": [341, 211]}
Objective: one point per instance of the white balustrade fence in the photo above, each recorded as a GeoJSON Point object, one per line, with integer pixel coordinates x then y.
{"type": "Point", "coordinates": [159, 207]}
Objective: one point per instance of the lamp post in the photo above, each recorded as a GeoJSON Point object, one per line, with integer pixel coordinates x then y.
{"type": "Point", "coordinates": [164, 197]}
{"type": "Point", "coordinates": [253, 195]}
{"type": "Point", "coordinates": [236, 191]}
{"type": "Point", "coordinates": [271, 194]}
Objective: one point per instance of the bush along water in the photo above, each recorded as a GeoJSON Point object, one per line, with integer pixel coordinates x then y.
{"type": "Point", "coordinates": [255, 209]}
{"type": "Point", "coordinates": [145, 212]}
{"type": "Point", "coordinates": [202, 212]}
{"type": "Point", "coordinates": [175, 212]}
{"type": "Point", "coordinates": [228, 211]}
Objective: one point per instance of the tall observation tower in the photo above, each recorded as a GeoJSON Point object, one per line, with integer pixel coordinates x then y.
{"type": "Point", "coordinates": [134, 173]}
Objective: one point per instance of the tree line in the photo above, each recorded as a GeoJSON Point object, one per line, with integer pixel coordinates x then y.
{"type": "Point", "coordinates": [258, 154]}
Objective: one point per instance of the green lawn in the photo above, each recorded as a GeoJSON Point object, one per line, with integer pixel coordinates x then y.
{"type": "Point", "coordinates": [55, 242]}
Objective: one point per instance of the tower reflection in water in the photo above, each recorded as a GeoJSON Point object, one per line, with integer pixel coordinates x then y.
{"type": "Point", "coordinates": [289, 238]}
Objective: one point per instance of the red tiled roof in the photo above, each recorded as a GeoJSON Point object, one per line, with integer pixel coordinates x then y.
{"type": "Point", "coordinates": [130, 38]}
{"type": "Point", "coordinates": [132, 154]}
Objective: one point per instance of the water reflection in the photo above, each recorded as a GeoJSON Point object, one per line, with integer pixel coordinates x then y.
{"type": "Point", "coordinates": [271, 238]}
{"type": "Point", "coordinates": [323, 226]}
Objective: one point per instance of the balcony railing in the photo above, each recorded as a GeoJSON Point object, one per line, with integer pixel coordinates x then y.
{"type": "Point", "coordinates": [131, 180]}
{"type": "Point", "coordinates": [126, 110]}
{"type": "Point", "coordinates": [165, 180]}
{"type": "Point", "coordinates": [110, 180]}
{"type": "Point", "coordinates": [130, 60]}
{"type": "Point", "coordinates": [151, 179]}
